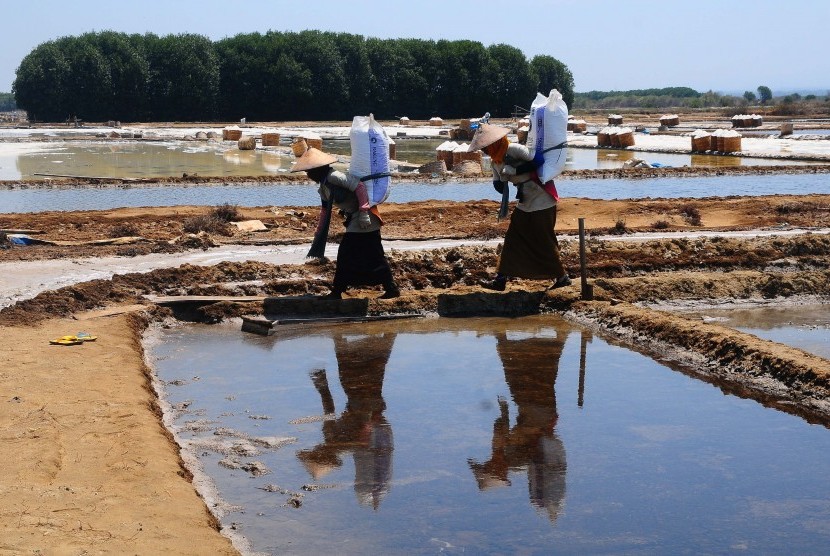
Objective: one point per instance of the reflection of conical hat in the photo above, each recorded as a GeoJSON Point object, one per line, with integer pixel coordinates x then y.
{"type": "Point", "coordinates": [319, 462]}
{"type": "Point", "coordinates": [486, 135]}
{"type": "Point", "coordinates": [317, 469]}
{"type": "Point", "coordinates": [313, 158]}
{"type": "Point", "coordinates": [487, 480]}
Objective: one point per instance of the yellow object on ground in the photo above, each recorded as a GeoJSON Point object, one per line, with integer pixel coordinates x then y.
{"type": "Point", "coordinates": [66, 341]}
{"type": "Point", "coordinates": [78, 338]}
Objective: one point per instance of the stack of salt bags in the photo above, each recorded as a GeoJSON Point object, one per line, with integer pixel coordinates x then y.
{"type": "Point", "coordinates": [370, 156]}
{"type": "Point", "coordinates": [548, 129]}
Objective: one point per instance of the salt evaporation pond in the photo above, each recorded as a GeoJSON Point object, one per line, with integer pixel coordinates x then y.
{"type": "Point", "coordinates": [152, 159]}
{"type": "Point", "coordinates": [806, 327]}
{"type": "Point", "coordinates": [102, 198]}
{"type": "Point", "coordinates": [484, 436]}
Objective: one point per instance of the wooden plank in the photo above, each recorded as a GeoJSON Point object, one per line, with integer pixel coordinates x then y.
{"type": "Point", "coordinates": [21, 231]}
{"type": "Point", "coordinates": [205, 299]}
{"type": "Point", "coordinates": [315, 306]}
{"type": "Point", "coordinates": [336, 320]}
{"type": "Point", "coordinates": [257, 325]}
{"type": "Point", "coordinates": [264, 326]}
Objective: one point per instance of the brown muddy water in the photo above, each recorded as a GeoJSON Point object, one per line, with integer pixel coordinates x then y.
{"type": "Point", "coordinates": [152, 159]}
{"type": "Point", "coordinates": [485, 436]}
{"type": "Point", "coordinates": [806, 327]}
{"type": "Point", "coordinates": [136, 159]}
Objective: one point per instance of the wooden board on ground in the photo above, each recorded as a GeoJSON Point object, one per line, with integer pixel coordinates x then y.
{"type": "Point", "coordinates": [264, 326]}
{"type": "Point", "coordinates": [202, 299]}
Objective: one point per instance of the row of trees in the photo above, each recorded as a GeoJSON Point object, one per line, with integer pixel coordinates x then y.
{"type": "Point", "coordinates": [277, 76]}
{"type": "Point", "coordinates": [681, 97]}
{"type": "Point", "coordinates": [7, 103]}
{"type": "Point", "coordinates": [665, 98]}
{"type": "Point", "coordinates": [684, 97]}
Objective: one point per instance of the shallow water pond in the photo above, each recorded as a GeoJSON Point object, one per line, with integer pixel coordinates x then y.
{"type": "Point", "coordinates": [152, 159]}
{"type": "Point", "coordinates": [806, 327]}
{"type": "Point", "coordinates": [581, 159]}
{"type": "Point", "coordinates": [269, 194]}
{"type": "Point", "coordinates": [486, 436]}
{"type": "Point", "coordinates": [136, 159]}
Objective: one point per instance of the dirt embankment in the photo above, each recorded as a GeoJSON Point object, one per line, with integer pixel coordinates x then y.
{"type": "Point", "coordinates": [741, 364]}
{"type": "Point", "coordinates": [165, 229]}
{"type": "Point", "coordinates": [634, 271]}
{"type": "Point", "coordinates": [88, 466]}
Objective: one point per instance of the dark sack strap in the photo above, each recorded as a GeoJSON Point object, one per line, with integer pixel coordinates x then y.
{"type": "Point", "coordinates": [561, 145]}
{"type": "Point", "coordinates": [376, 176]}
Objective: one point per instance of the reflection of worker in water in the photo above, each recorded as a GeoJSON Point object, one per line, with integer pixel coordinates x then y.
{"type": "Point", "coordinates": [530, 368]}
{"type": "Point", "coordinates": [361, 428]}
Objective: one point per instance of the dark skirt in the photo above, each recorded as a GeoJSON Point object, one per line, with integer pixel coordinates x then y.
{"type": "Point", "coordinates": [361, 261]}
{"type": "Point", "coordinates": [530, 247]}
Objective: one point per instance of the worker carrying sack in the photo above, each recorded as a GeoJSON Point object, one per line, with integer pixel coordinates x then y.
{"type": "Point", "coordinates": [370, 157]}
{"type": "Point", "coordinates": [548, 134]}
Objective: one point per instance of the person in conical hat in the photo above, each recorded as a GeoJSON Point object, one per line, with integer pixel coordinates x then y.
{"type": "Point", "coordinates": [361, 260]}
{"type": "Point", "coordinates": [530, 249]}
{"type": "Point", "coordinates": [313, 159]}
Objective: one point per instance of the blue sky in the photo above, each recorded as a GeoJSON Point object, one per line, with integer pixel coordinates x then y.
{"type": "Point", "coordinates": [723, 45]}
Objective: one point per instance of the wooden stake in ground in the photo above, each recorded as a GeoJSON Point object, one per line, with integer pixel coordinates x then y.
{"type": "Point", "coordinates": [587, 289]}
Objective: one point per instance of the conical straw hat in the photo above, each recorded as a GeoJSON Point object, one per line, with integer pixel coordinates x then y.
{"type": "Point", "coordinates": [313, 158]}
{"type": "Point", "coordinates": [486, 135]}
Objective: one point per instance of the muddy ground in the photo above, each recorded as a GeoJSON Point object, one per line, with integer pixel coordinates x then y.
{"type": "Point", "coordinates": [171, 229]}
{"type": "Point", "coordinates": [95, 470]}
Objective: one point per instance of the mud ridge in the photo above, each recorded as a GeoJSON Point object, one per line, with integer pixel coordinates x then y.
{"type": "Point", "coordinates": [742, 364]}
{"type": "Point", "coordinates": [653, 272]}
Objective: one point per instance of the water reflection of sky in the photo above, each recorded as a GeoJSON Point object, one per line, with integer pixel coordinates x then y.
{"type": "Point", "coordinates": [806, 327]}
{"type": "Point", "coordinates": [481, 436]}
{"type": "Point", "coordinates": [35, 200]}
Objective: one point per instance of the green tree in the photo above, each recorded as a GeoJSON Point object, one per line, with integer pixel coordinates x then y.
{"type": "Point", "coordinates": [749, 96]}
{"type": "Point", "coordinates": [765, 94]}
{"type": "Point", "coordinates": [316, 52]}
{"type": "Point", "coordinates": [88, 86]}
{"type": "Point", "coordinates": [7, 103]}
{"type": "Point", "coordinates": [355, 57]}
{"type": "Point", "coordinates": [184, 77]}
{"type": "Point", "coordinates": [243, 73]}
{"type": "Point", "coordinates": [40, 80]}
{"type": "Point", "coordinates": [124, 92]}
{"type": "Point", "coordinates": [464, 78]}
{"type": "Point", "coordinates": [307, 75]}
{"type": "Point", "coordinates": [515, 84]}
{"type": "Point", "coordinates": [399, 84]}
{"type": "Point", "coordinates": [553, 74]}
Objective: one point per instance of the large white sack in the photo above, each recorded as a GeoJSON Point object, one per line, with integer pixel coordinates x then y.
{"type": "Point", "coordinates": [536, 133]}
{"type": "Point", "coordinates": [370, 156]}
{"type": "Point", "coordinates": [554, 130]}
